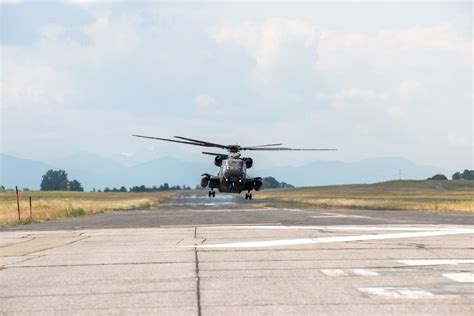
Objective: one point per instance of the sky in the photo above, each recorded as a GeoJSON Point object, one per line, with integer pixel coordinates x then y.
{"type": "Point", "coordinates": [372, 79]}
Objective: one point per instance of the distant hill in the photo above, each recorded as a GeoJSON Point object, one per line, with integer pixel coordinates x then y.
{"type": "Point", "coordinates": [22, 172]}
{"type": "Point", "coordinates": [99, 172]}
{"type": "Point", "coordinates": [329, 172]}
{"type": "Point", "coordinates": [94, 171]}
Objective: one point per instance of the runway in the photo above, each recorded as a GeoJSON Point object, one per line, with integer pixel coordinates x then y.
{"type": "Point", "coordinates": [201, 256]}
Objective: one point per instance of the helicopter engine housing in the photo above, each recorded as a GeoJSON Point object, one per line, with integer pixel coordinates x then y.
{"type": "Point", "coordinates": [205, 180]}
{"type": "Point", "coordinates": [248, 162]}
{"type": "Point", "coordinates": [257, 183]}
{"type": "Point", "coordinates": [218, 161]}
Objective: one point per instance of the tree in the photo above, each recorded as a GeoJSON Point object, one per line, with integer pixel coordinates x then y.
{"type": "Point", "coordinates": [54, 180]}
{"type": "Point", "coordinates": [75, 185]}
{"type": "Point", "coordinates": [107, 189]}
{"type": "Point", "coordinates": [123, 189]}
{"type": "Point", "coordinates": [457, 176]}
{"type": "Point", "coordinates": [272, 183]}
{"type": "Point", "coordinates": [438, 177]}
{"type": "Point", "coordinates": [467, 175]}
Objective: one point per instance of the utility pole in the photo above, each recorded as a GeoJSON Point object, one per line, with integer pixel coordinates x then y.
{"type": "Point", "coordinates": [17, 202]}
{"type": "Point", "coordinates": [400, 174]}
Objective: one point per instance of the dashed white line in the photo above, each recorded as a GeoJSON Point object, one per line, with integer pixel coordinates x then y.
{"type": "Point", "coordinates": [464, 277]}
{"type": "Point", "coordinates": [335, 215]}
{"type": "Point", "coordinates": [397, 292]}
{"type": "Point", "coordinates": [365, 272]}
{"type": "Point", "coordinates": [348, 272]}
{"type": "Point", "coordinates": [433, 262]}
{"type": "Point", "coordinates": [333, 272]}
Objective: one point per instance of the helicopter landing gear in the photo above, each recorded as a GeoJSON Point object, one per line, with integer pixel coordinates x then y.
{"type": "Point", "coordinates": [212, 193]}
{"type": "Point", "coordinates": [248, 196]}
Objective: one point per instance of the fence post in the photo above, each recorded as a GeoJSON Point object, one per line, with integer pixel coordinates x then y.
{"type": "Point", "coordinates": [31, 211]}
{"type": "Point", "coordinates": [17, 202]}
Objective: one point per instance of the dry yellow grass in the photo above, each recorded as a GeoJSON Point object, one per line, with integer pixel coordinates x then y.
{"type": "Point", "coordinates": [57, 204]}
{"type": "Point", "coordinates": [443, 196]}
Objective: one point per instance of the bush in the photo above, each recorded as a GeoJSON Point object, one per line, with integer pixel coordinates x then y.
{"type": "Point", "coordinates": [438, 177]}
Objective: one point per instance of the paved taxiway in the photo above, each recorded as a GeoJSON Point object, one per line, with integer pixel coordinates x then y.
{"type": "Point", "coordinates": [201, 256]}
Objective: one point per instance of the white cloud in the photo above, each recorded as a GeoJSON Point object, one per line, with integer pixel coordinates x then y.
{"type": "Point", "coordinates": [264, 41]}
{"type": "Point", "coordinates": [205, 101]}
{"type": "Point", "coordinates": [52, 31]}
{"type": "Point", "coordinates": [88, 3]}
{"type": "Point", "coordinates": [409, 88]}
{"type": "Point", "coordinates": [409, 50]}
{"type": "Point", "coordinates": [457, 140]}
{"type": "Point", "coordinates": [396, 113]}
{"type": "Point", "coordinates": [355, 99]}
{"type": "Point", "coordinates": [25, 83]}
{"type": "Point", "coordinates": [132, 72]}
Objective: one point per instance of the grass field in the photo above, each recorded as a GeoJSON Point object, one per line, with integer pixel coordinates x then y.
{"type": "Point", "coordinates": [47, 205]}
{"type": "Point", "coordinates": [443, 196]}
{"type": "Point", "coordinates": [393, 195]}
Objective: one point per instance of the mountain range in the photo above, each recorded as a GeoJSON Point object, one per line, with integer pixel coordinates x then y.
{"type": "Point", "coordinates": [94, 171]}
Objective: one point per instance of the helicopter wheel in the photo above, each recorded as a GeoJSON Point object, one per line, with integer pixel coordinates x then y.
{"type": "Point", "coordinates": [248, 196]}
{"type": "Point", "coordinates": [212, 193]}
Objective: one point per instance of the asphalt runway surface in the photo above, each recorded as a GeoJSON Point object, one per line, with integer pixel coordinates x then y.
{"type": "Point", "coordinates": [202, 256]}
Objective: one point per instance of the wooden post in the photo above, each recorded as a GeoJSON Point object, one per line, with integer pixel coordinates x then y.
{"type": "Point", "coordinates": [17, 202]}
{"type": "Point", "coordinates": [31, 212]}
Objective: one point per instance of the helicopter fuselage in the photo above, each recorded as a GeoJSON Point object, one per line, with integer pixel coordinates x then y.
{"type": "Point", "coordinates": [232, 176]}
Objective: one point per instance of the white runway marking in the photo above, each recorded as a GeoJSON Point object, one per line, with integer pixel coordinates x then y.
{"type": "Point", "coordinates": [307, 241]}
{"type": "Point", "coordinates": [345, 228]}
{"type": "Point", "coordinates": [397, 292]}
{"type": "Point", "coordinates": [465, 277]}
{"type": "Point", "coordinates": [348, 272]}
{"type": "Point", "coordinates": [434, 262]}
{"type": "Point", "coordinates": [333, 272]}
{"type": "Point", "coordinates": [365, 272]}
{"type": "Point", "coordinates": [335, 215]}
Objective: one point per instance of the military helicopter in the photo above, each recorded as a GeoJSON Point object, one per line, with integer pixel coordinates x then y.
{"type": "Point", "coordinates": [232, 176]}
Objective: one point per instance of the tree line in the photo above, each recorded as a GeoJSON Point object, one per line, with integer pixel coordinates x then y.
{"type": "Point", "coordinates": [143, 188]}
{"type": "Point", "coordinates": [57, 180]}
{"type": "Point", "coordinates": [465, 175]}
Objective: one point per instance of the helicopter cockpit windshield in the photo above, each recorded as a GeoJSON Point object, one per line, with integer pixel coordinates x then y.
{"type": "Point", "coordinates": [234, 170]}
{"type": "Point", "coordinates": [231, 164]}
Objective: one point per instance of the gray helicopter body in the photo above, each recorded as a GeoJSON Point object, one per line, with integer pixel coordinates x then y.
{"type": "Point", "coordinates": [232, 176]}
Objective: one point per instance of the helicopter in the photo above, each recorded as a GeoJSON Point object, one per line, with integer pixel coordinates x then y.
{"type": "Point", "coordinates": [232, 176]}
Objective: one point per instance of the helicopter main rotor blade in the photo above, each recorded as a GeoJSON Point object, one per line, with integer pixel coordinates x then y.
{"type": "Point", "coordinates": [267, 145]}
{"type": "Point", "coordinates": [289, 149]}
{"type": "Point", "coordinates": [214, 154]}
{"type": "Point", "coordinates": [173, 140]}
{"type": "Point", "coordinates": [208, 144]}
{"type": "Point", "coordinates": [232, 148]}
